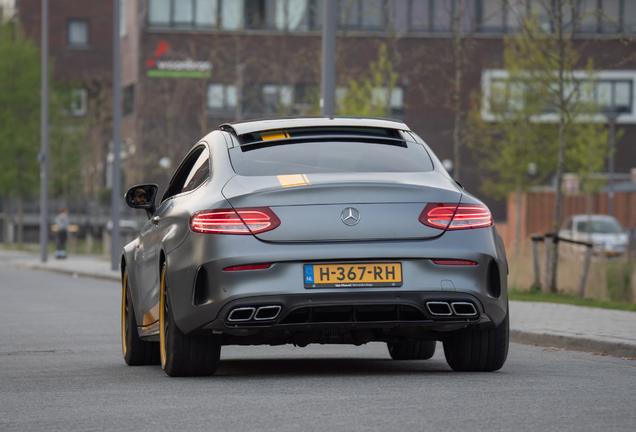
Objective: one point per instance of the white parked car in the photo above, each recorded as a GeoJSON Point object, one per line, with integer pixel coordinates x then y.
{"type": "Point", "coordinates": [604, 231]}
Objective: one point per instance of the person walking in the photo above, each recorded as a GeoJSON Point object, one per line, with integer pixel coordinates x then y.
{"type": "Point", "coordinates": [61, 221]}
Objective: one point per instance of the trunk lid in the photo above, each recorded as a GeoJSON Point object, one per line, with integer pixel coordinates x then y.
{"type": "Point", "coordinates": [344, 206]}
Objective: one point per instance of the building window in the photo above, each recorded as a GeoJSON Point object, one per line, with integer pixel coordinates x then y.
{"type": "Point", "coordinates": [614, 95]}
{"type": "Point", "coordinates": [368, 15]}
{"type": "Point", "coordinates": [629, 17]}
{"type": "Point", "coordinates": [608, 91]}
{"type": "Point", "coordinates": [498, 16]}
{"type": "Point", "coordinates": [292, 15]}
{"type": "Point", "coordinates": [78, 102]}
{"type": "Point", "coordinates": [277, 98]}
{"type": "Point", "coordinates": [221, 97]}
{"type": "Point", "coordinates": [78, 32]}
{"type": "Point", "coordinates": [123, 8]}
{"type": "Point", "coordinates": [431, 15]}
{"type": "Point", "coordinates": [394, 101]}
{"type": "Point", "coordinates": [128, 99]}
{"type": "Point", "coordinates": [186, 13]}
{"type": "Point", "coordinates": [611, 16]}
{"type": "Point", "coordinates": [286, 99]}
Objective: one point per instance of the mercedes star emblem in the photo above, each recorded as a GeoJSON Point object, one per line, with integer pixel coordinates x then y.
{"type": "Point", "coordinates": [350, 216]}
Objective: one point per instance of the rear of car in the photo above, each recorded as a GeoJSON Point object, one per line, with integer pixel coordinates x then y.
{"type": "Point", "coordinates": [341, 231]}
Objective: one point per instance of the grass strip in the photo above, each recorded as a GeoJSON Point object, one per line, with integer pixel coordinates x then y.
{"type": "Point", "coordinates": [538, 296]}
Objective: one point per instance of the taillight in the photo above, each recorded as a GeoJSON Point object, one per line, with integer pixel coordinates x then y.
{"type": "Point", "coordinates": [230, 221]}
{"type": "Point", "coordinates": [455, 216]}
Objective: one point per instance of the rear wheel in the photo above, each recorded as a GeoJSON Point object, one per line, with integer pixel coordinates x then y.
{"type": "Point", "coordinates": [411, 350]}
{"type": "Point", "coordinates": [183, 355]}
{"type": "Point", "coordinates": [137, 352]}
{"type": "Point", "coordinates": [478, 350]}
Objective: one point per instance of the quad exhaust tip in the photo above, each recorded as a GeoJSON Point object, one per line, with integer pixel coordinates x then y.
{"type": "Point", "coordinates": [260, 313]}
{"type": "Point", "coordinates": [463, 309]}
{"type": "Point", "coordinates": [447, 309]}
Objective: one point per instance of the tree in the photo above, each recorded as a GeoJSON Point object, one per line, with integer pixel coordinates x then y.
{"type": "Point", "coordinates": [508, 148]}
{"type": "Point", "coordinates": [19, 117]}
{"type": "Point", "coordinates": [544, 76]}
{"type": "Point", "coordinates": [370, 95]}
{"type": "Point", "coordinates": [455, 60]}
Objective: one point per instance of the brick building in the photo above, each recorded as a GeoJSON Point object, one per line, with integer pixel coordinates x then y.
{"type": "Point", "coordinates": [190, 65]}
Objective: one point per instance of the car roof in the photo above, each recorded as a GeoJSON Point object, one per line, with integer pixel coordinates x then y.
{"type": "Point", "coordinates": [251, 126]}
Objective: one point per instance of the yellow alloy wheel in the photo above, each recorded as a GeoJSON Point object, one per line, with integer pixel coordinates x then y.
{"type": "Point", "coordinates": [123, 312]}
{"type": "Point", "coordinates": [162, 318]}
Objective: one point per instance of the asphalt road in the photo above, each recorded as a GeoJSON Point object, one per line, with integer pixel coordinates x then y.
{"type": "Point", "coordinates": [62, 369]}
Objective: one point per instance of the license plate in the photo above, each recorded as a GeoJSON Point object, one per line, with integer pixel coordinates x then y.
{"type": "Point", "coordinates": [353, 275]}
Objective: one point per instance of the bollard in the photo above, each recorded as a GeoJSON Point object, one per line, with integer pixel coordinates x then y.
{"type": "Point", "coordinates": [547, 242]}
{"type": "Point", "coordinates": [585, 270]}
{"type": "Point", "coordinates": [535, 260]}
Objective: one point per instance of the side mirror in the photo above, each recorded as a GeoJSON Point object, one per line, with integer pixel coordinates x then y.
{"type": "Point", "coordinates": [142, 197]}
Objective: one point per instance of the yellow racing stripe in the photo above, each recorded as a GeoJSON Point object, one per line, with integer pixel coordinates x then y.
{"type": "Point", "coordinates": [293, 180]}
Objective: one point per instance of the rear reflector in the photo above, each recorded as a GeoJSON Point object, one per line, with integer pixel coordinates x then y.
{"type": "Point", "coordinates": [454, 262]}
{"type": "Point", "coordinates": [455, 216]}
{"type": "Point", "coordinates": [230, 221]}
{"type": "Point", "coordinates": [248, 267]}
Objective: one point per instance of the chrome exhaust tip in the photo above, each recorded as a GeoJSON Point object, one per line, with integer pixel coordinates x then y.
{"type": "Point", "coordinates": [438, 308]}
{"type": "Point", "coordinates": [241, 314]}
{"type": "Point", "coordinates": [464, 309]}
{"type": "Point", "coordinates": [267, 313]}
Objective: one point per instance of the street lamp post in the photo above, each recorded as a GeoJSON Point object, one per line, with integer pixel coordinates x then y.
{"type": "Point", "coordinates": [115, 196]}
{"type": "Point", "coordinates": [328, 86]}
{"type": "Point", "coordinates": [44, 131]}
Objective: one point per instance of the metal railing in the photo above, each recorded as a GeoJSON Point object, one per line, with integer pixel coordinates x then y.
{"type": "Point", "coordinates": [548, 239]}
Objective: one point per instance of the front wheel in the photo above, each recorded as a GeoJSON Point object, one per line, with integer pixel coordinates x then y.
{"type": "Point", "coordinates": [137, 352]}
{"type": "Point", "coordinates": [183, 355]}
{"type": "Point", "coordinates": [411, 350]}
{"type": "Point", "coordinates": [478, 350]}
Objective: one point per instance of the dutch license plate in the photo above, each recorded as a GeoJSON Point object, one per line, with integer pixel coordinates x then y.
{"type": "Point", "coordinates": [353, 275]}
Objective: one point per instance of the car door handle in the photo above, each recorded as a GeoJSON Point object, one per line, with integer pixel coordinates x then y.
{"type": "Point", "coordinates": [155, 220]}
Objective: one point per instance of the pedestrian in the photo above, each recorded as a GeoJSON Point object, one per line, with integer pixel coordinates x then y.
{"type": "Point", "coordinates": [61, 221]}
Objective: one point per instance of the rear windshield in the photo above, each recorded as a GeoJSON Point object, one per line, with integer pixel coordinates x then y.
{"type": "Point", "coordinates": [329, 157]}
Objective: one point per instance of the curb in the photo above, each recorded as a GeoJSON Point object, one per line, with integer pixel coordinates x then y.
{"type": "Point", "coordinates": [114, 277]}
{"type": "Point", "coordinates": [575, 343]}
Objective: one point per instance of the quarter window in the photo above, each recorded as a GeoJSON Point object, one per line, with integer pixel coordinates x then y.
{"type": "Point", "coordinates": [199, 172]}
{"type": "Point", "coordinates": [185, 173]}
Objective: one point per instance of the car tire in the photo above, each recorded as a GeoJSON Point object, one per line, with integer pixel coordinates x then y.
{"type": "Point", "coordinates": [136, 351]}
{"type": "Point", "coordinates": [183, 355]}
{"type": "Point", "coordinates": [478, 350]}
{"type": "Point", "coordinates": [411, 350]}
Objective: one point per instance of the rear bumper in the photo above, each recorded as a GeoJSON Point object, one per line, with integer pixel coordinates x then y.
{"type": "Point", "coordinates": [349, 311]}
{"type": "Point", "coordinates": [203, 295]}
{"type": "Point", "coordinates": [350, 318]}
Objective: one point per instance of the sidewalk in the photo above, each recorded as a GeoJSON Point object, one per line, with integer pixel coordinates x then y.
{"type": "Point", "coordinates": [545, 324]}
{"type": "Point", "coordinates": [81, 265]}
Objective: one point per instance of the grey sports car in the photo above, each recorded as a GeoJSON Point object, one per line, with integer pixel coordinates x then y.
{"type": "Point", "coordinates": [313, 230]}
